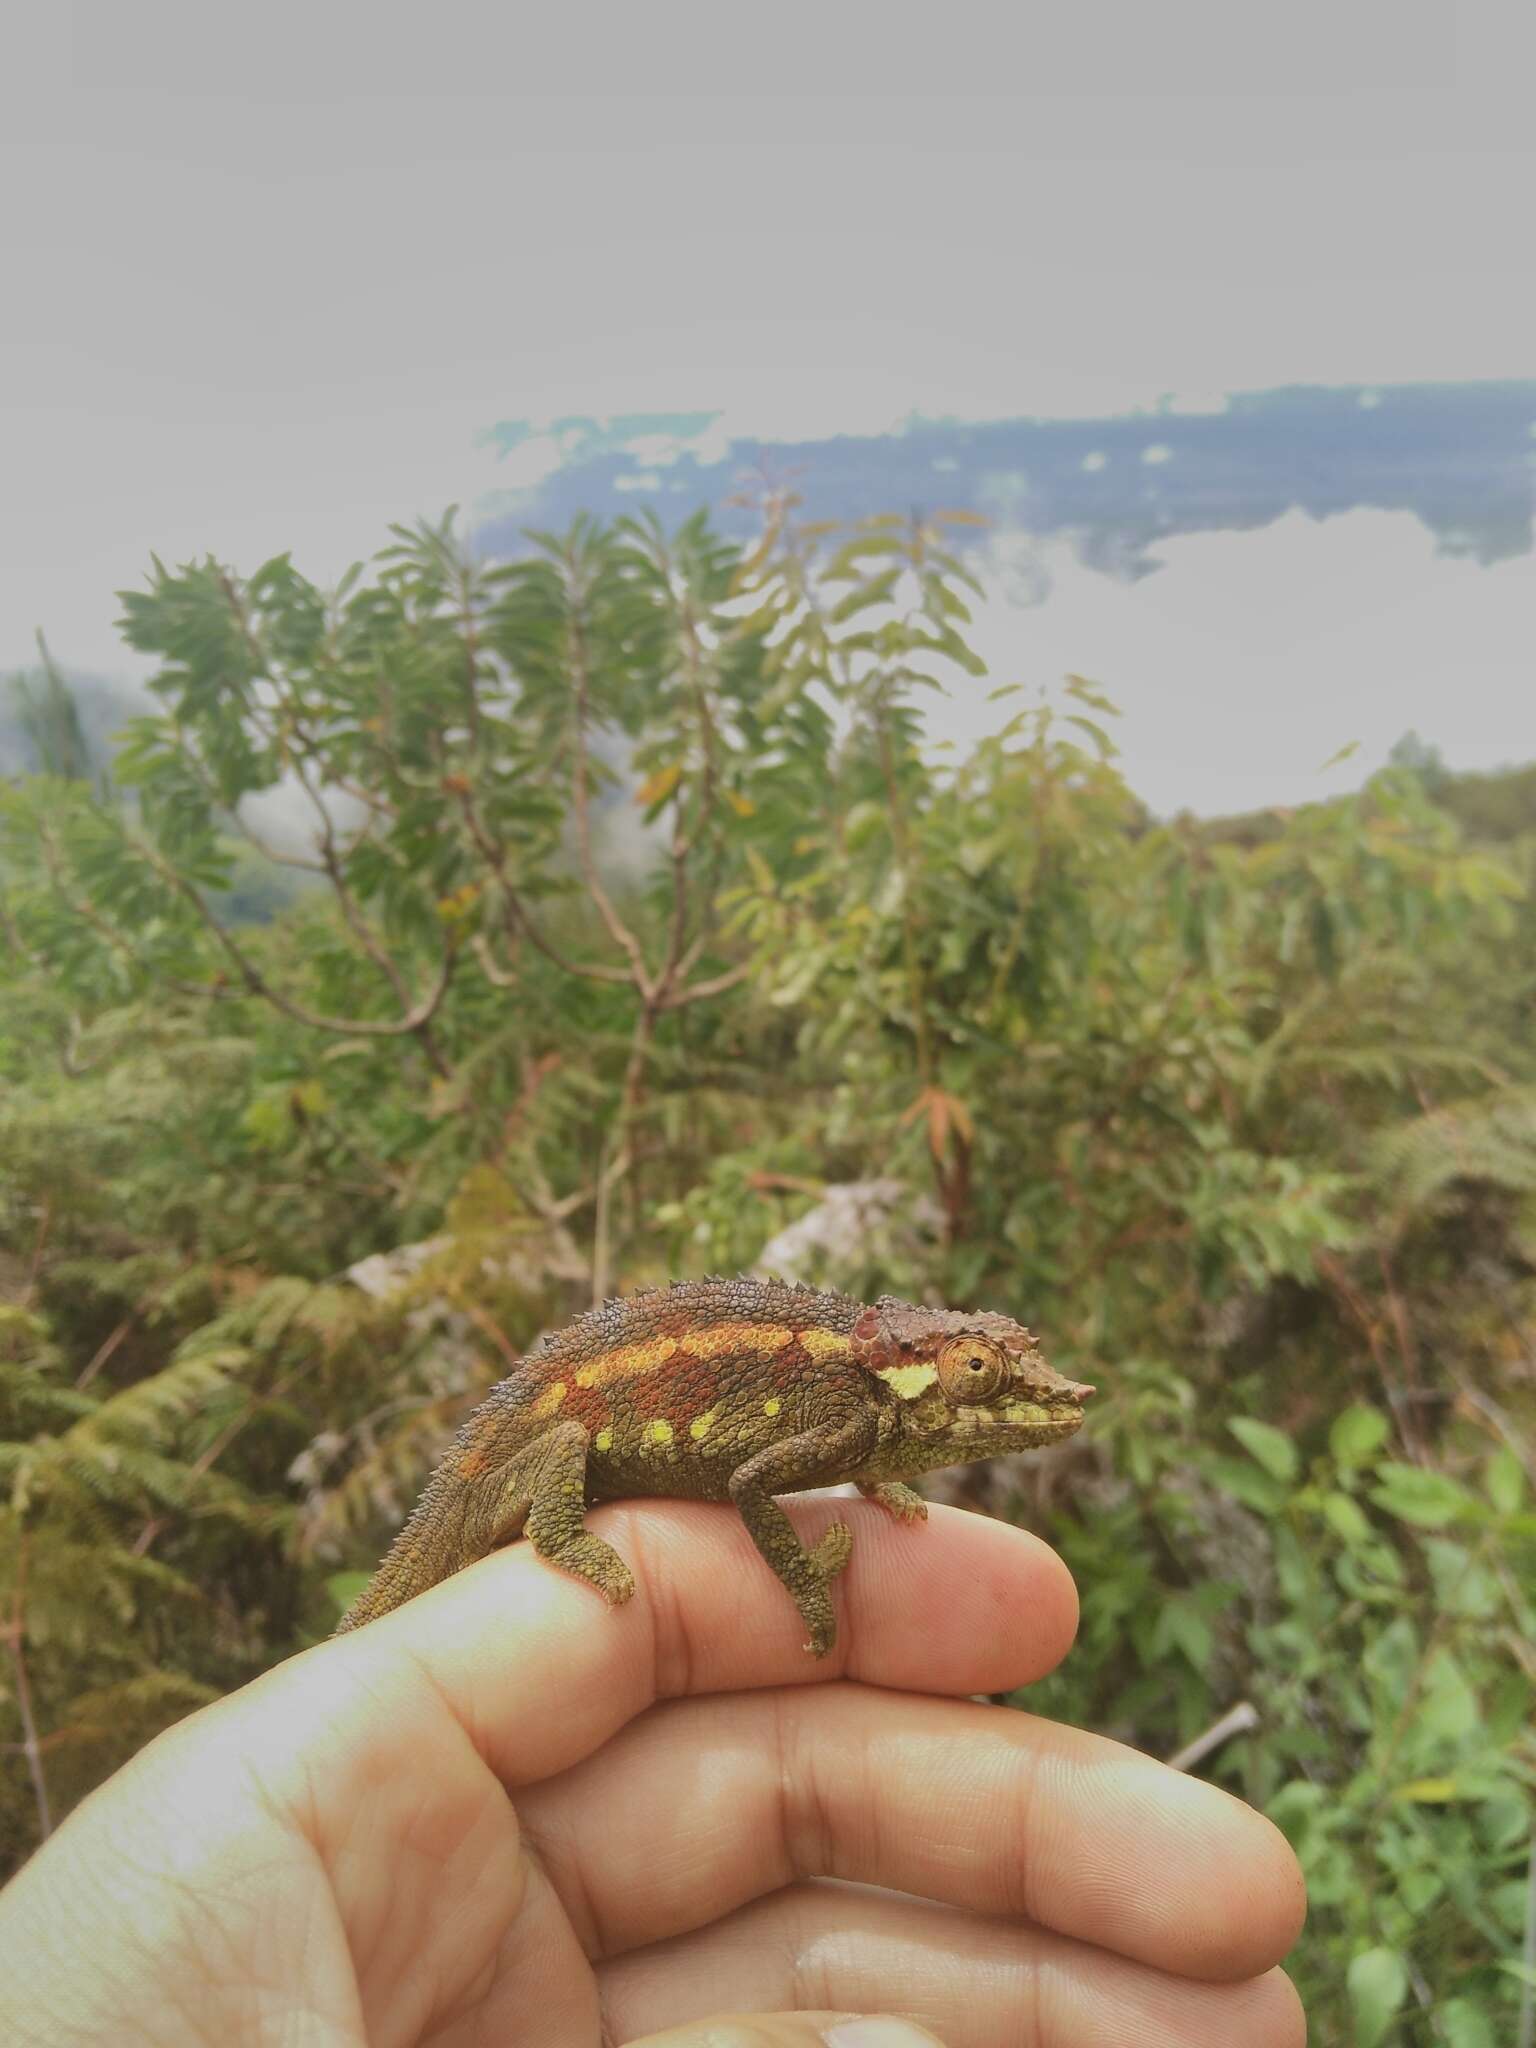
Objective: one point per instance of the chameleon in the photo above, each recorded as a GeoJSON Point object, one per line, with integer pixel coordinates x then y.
{"type": "Point", "coordinates": [725, 1390]}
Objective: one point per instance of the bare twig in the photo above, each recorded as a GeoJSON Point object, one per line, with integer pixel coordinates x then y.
{"type": "Point", "coordinates": [516, 920]}
{"type": "Point", "coordinates": [39, 1246]}
{"type": "Point", "coordinates": [15, 1639]}
{"type": "Point", "coordinates": [699, 991]}
{"type": "Point", "coordinates": [1525, 2028]}
{"type": "Point", "coordinates": [1236, 1721]}
{"type": "Point", "coordinates": [410, 1024]}
{"type": "Point", "coordinates": [580, 674]}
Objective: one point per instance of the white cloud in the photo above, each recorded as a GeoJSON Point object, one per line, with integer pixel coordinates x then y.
{"type": "Point", "coordinates": [528, 464]}
{"type": "Point", "coordinates": [1193, 403]}
{"type": "Point", "coordinates": [1249, 658]}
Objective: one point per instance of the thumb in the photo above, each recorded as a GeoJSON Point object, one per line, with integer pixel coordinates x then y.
{"type": "Point", "coordinates": [795, 2030]}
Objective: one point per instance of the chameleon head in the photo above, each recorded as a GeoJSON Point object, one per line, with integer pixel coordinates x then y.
{"type": "Point", "coordinates": [970, 1384]}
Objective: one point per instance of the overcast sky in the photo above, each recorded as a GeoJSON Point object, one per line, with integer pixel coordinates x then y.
{"type": "Point", "coordinates": [269, 271]}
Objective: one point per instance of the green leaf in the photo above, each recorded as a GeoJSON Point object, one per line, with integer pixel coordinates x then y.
{"type": "Point", "coordinates": [1357, 1433]}
{"type": "Point", "coordinates": [1255, 1489]}
{"type": "Point", "coordinates": [1465, 2025]}
{"type": "Point", "coordinates": [1346, 1518]}
{"type": "Point", "coordinates": [1428, 1791]}
{"type": "Point", "coordinates": [1463, 1584]}
{"type": "Point", "coordinates": [864, 822]}
{"type": "Point", "coordinates": [1448, 1705]}
{"type": "Point", "coordinates": [1270, 1447]}
{"type": "Point", "coordinates": [1429, 1500]}
{"type": "Point", "coordinates": [1504, 1480]}
{"type": "Point", "coordinates": [1181, 1626]}
{"type": "Point", "coordinates": [1103, 744]}
{"type": "Point", "coordinates": [877, 591]}
{"type": "Point", "coordinates": [762, 874]}
{"type": "Point", "coordinates": [344, 1587]}
{"type": "Point", "coordinates": [1377, 1981]}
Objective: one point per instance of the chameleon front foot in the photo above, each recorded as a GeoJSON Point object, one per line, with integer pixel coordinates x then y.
{"type": "Point", "coordinates": [904, 1502]}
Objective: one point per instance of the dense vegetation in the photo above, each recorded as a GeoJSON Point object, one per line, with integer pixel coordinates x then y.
{"type": "Point", "coordinates": [628, 918]}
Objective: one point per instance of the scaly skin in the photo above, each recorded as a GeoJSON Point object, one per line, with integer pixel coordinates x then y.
{"type": "Point", "coordinates": [725, 1390]}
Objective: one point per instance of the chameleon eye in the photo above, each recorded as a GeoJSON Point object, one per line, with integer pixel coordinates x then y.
{"type": "Point", "coordinates": [971, 1369]}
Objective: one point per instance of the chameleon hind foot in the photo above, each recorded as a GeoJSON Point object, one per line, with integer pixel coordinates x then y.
{"type": "Point", "coordinates": [833, 1551]}
{"type": "Point", "coordinates": [590, 1558]}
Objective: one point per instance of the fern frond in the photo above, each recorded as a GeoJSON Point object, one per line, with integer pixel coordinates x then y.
{"type": "Point", "coordinates": [81, 1466]}
{"type": "Point", "coordinates": [1491, 1138]}
{"type": "Point", "coordinates": [132, 1709]}
{"type": "Point", "coordinates": [31, 1402]}
{"type": "Point", "coordinates": [153, 1409]}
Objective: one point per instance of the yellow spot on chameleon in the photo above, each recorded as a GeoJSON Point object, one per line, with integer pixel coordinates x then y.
{"type": "Point", "coordinates": [658, 1432]}
{"type": "Point", "coordinates": [772, 1407]}
{"type": "Point", "coordinates": [550, 1399]}
{"type": "Point", "coordinates": [603, 1441]}
{"type": "Point", "coordinates": [908, 1380]}
{"type": "Point", "coordinates": [720, 1338]}
{"type": "Point", "coordinates": [701, 1425]}
{"type": "Point", "coordinates": [825, 1344]}
{"type": "Point", "coordinates": [626, 1362]}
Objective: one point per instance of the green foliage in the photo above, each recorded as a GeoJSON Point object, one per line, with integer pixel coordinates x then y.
{"type": "Point", "coordinates": [1369, 1609]}
{"type": "Point", "coordinates": [631, 912]}
{"type": "Point", "coordinates": [49, 720]}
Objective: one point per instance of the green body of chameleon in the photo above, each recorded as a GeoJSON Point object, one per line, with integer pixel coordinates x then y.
{"type": "Point", "coordinates": [725, 1390]}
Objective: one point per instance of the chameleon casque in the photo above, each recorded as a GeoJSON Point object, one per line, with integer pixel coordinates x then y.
{"type": "Point", "coordinates": [725, 1390]}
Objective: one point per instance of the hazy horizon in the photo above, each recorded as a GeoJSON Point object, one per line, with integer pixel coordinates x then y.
{"type": "Point", "coordinates": [271, 291]}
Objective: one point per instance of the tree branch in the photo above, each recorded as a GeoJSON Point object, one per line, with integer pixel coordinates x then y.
{"type": "Point", "coordinates": [618, 931]}
{"type": "Point", "coordinates": [518, 922]}
{"type": "Point", "coordinates": [700, 991]}
{"type": "Point", "coordinates": [419, 1014]}
{"type": "Point", "coordinates": [15, 1636]}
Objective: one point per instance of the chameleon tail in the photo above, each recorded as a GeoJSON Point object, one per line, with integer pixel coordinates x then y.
{"type": "Point", "coordinates": [426, 1551]}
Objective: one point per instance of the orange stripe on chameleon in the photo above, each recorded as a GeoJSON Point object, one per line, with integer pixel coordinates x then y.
{"type": "Point", "coordinates": [635, 1361]}
{"type": "Point", "coordinates": [626, 1362]}
{"type": "Point", "coordinates": [718, 1338]}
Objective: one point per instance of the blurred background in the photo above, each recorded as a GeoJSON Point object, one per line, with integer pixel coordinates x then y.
{"type": "Point", "coordinates": [883, 646]}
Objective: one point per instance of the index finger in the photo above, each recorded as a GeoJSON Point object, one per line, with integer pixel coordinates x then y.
{"type": "Point", "coordinates": [540, 1674]}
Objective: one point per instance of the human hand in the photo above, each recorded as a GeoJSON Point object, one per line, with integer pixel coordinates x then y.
{"type": "Point", "coordinates": [503, 1815]}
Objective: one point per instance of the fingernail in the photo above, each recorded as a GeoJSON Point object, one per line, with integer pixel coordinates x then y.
{"type": "Point", "coordinates": [879, 2031]}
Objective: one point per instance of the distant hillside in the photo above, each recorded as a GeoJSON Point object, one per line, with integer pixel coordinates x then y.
{"type": "Point", "coordinates": [1491, 808]}
{"type": "Point", "coordinates": [1455, 455]}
